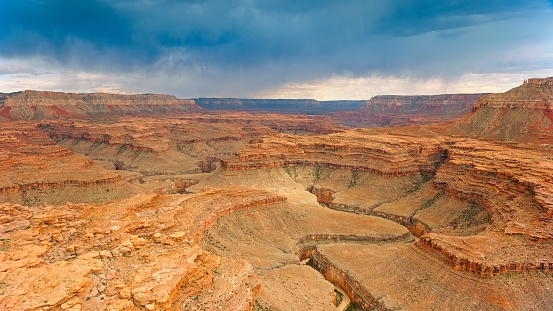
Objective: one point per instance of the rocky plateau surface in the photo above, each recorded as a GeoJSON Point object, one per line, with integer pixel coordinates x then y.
{"type": "Point", "coordinates": [142, 252]}
{"type": "Point", "coordinates": [233, 210]}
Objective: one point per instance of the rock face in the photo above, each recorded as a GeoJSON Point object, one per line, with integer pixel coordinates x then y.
{"type": "Point", "coordinates": [40, 105]}
{"type": "Point", "coordinates": [523, 114]}
{"type": "Point", "coordinates": [512, 181]}
{"type": "Point", "coordinates": [397, 110]}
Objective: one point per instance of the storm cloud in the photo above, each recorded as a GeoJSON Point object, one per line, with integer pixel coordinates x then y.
{"type": "Point", "coordinates": [233, 48]}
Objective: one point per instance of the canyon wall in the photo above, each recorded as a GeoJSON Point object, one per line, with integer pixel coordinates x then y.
{"type": "Point", "coordinates": [522, 114]}
{"type": "Point", "coordinates": [357, 150]}
{"type": "Point", "coordinates": [402, 110]}
{"type": "Point", "coordinates": [40, 105]}
{"type": "Point", "coordinates": [29, 159]}
{"type": "Point", "coordinates": [308, 106]}
{"type": "Point", "coordinates": [446, 104]}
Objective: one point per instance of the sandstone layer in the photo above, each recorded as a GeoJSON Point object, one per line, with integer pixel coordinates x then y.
{"type": "Point", "coordinates": [360, 150]}
{"type": "Point", "coordinates": [522, 114]}
{"type": "Point", "coordinates": [508, 185]}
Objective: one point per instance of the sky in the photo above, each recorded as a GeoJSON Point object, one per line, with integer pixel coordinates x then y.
{"type": "Point", "coordinates": [323, 49]}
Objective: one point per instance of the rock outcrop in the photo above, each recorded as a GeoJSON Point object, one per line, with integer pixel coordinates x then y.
{"type": "Point", "coordinates": [212, 246]}
{"type": "Point", "coordinates": [522, 114]}
{"type": "Point", "coordinates": [512, 181]}
{"type": "Point", "coordinates": [452, 104]}
{"type": "Point", "coordinates": [142, 252]}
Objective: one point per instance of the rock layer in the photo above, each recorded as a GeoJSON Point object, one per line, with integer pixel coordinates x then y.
{"type": "Point", "coordinates": [361, 150]}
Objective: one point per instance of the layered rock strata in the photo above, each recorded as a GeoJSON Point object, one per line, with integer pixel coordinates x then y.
{"type": "Point", "coordinates": [522, 114]}
{"type": "Point", "coordinates": [397, 110]}
{"type": "Point", "coordinates": [39, 105]}
{"type": "Point", "coordinates": [361, 150]}
{"type": "Point", "coordinates": [29, 159]}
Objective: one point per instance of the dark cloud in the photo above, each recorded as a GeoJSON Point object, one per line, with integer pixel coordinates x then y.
{"type": "Point", "coordinates": [268, 42]}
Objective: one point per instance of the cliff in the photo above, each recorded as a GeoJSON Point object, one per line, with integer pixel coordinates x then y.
{"type": "Point", "coordinates": [534, 93]}
{"type": "Point", "coordinates": [423, 104]}
{"type": "Point", "coordinates": [522, 114]}
{"type": "Point", "coordinates": [29, 159]}
{"type": "Point", "coordinates": [135, 254]}
{"type": "Point", "coordinates": [40, 105]}
{"type": "Point", "coordinates": [399, 110]}
{"type": "Point", "coordinates": [360, 150]}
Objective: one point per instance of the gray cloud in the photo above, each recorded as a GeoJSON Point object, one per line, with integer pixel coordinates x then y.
{"type": "Point", "coordinates": [208, 48]}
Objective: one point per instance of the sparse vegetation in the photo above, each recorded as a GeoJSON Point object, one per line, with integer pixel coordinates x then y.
{"type": "Point", "coordinates": [122, 149]}
{"type": "Point", "coordinates": [432, 200]}
{"type": "Point", "coordinates": [291, 171]}
{"type": "Point", "coordinates": [472, 216]}
{"type": "Point", "coordinates": [424, 178]}
{"type": "Point", "coordinates": [354, 178]}
{"type": "Point", "coordinates": [6, 246]}
{"type": "Point", "coordinates": [351, 307]}
{"type": "Point", "coordinates": [258, 307]}
{"type": "Point", "coordinates": [339, 297]}
{"type": "Point", "coordinates": [317, 173]}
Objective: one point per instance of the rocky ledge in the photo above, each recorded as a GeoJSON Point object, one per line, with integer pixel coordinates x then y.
{"type": "Point", "coordinates": [361, 150]}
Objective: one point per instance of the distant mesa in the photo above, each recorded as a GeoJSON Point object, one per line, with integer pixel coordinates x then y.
{"type": "Point", "coordinates": [307, 106]}
{"type": "Point", "coordinates": [40, 105]}
{"type": "Point", "coordinates": [403, 110]}
{"type": "Point", "coordinates": [423, 104]}
{"type": "Point", "coordinates": [533, 93]}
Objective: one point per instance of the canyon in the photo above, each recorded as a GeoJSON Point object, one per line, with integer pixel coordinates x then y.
{"type": "Point", "coordinates": [149, 202]}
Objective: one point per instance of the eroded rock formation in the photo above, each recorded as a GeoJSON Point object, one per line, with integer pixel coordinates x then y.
{"type": "Point", "coordinates": [475, 194]}
{"type": "Point", "coordinates": [129, 255]}
{"type": "Point", "coordinates": [29, 159]}
{"type": "Point", "coordinates": [361, 150]}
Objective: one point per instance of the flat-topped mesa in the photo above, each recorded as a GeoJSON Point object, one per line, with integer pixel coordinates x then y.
{"type": "Point", "coordinates": [404, 110]}
{"type": "Point", "coordinates": [382, 154]}
{"type": "Point", "coordinates": [422, 104]}
{"type": "Point", "coordinates": [534, 93]}
{"type": "Point", "coordinates": [39, 105]}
